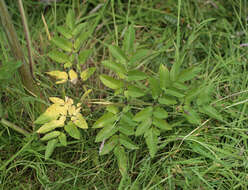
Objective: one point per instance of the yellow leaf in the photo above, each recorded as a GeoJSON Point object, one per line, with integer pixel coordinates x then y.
{"type": "Point", "coordinates": [69, 101]}
{"type": "Point", "coordinates": [59, 75]}
{"type": "Point", "coordinates": [80, 121]}
{"type": "Point", "coordinates": [50, 126]}
{"type": "Point", "coordinates": [62, 119]}
{"type": "Point", "coordinates": [77, 110]}
{"type": "Point", "coordinates": [73, 76]}
{"type": "Point", "coordinates": [73, 118]}
{"type": "Point", "coordinates": [56, 100]}
{"type": "Point", "coordinates": [61, 82]}
{"type": "Point", "coordinates": [72, 110]}
{"type": "Point", "coordinates": [56, 110]}
{"type": "Point", "coordinates": [68, 65]}
{"type": "Point", "coordinates": [87, 73]}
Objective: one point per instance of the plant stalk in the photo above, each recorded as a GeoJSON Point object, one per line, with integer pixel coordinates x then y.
{"type": "Point", "coordinates": [16, 48]}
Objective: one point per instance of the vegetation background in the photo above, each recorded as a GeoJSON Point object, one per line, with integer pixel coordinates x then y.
{"type": "Point", "coordinates": [212, 36]}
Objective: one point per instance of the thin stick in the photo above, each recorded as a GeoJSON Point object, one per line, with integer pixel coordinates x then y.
{"type": "Point", "coordinates": [27, 36]}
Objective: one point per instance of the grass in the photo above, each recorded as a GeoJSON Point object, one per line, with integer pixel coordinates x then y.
{"type": "Point", "coordinates": [212, 156]}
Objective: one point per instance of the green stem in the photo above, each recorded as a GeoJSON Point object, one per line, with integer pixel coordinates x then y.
{"type": "Point", "coordinates": [27, 36]}
{"type": "Point", "coordinates": [14, 127]}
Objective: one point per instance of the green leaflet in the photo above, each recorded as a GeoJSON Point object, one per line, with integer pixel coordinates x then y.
{"type": "Point", "coordinates": [188, 74]}
{"type": "Point", "coordinates": [136, 75]}
{"type": "Point", "coordinates": [180, 86]}
{"type": "Point", "coordinates": [164, 76]}
{"type": "Point", "coordinates": [111, 82]}
{"type": "Point", "coordinates": [126, 124]}
{"type": "Point", "coordinates": [127, 142]}
{"type": "Point", "coordinates": [51, 145]}
{"type": "Point", "coordinates": [106, 132]}
{"type": "Point", "coordinates": [166, 100]}
{"type": "Point", "coordinates": [72, 130]}
{"type": "Point", "coordinates": [135, 92]}
{"type": "Point", "coordinates": [79, 29]}
{"type": "Point", "coordinates": [112, 109]}
{"type": "Point", "coordinates": [86, 74]}
{"type": "Point", "coordinates": [109, 145]}
{"type": "Point", "coordinates": [126, 129]}
{"type": "Point", "coordinates": [62, 139]}
{"type": "Point", "coordinates": [138, 56]}
{"type": "Point", "coordinates": [143, 114]}
{"type": "Point", "coordinates": [174, 92]}
{"type": "Point", "coordinates": [59, 56]}
{"type": "Point", "coordinates": [152, 141]}
{"type": "Point", "coordinates": [50, 136]}
{"type": "Point", "coordinates": [81, 39]}
{"type": "Point", "coordinates": [160, 113]}
{"type": "Point", "coordinates": [122, 159]}
{"type": "Point", "coordinates": [118, 54]}
{"type": "Point", "coordinates": [70, 19]}
{"type": "Point", "coordinates": [107, 118]}
{"type": "Point", "coordinates": [175, 69]}
{"type": "Point", "coordinates": [65, 32]}
{"type": "Point", "coordinates": [143, 127]}
{"type": "Point", "coordinates": [155, 87]}
{"type": "Point", "coordinates": [63, 44]}
{"type": "Point", "coordinates": [116, 67]}
{"type": "Point", "coordinates": [162, 124]}
{"type": "Point", "coordinates": [84, 55]}
{"type": "Point", "coordinates": [129, 40]}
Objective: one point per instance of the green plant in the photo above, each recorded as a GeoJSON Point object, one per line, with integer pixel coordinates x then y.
{"type": "Point", "coordinates": [63, 113]}
{"type": "Point", "coordinates": [147, 103]}
{"type": "Point", "coordinates": [69, 51]}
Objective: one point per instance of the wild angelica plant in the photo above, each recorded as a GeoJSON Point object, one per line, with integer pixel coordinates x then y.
{"type": "Point", "coordinates": [147, 105]}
